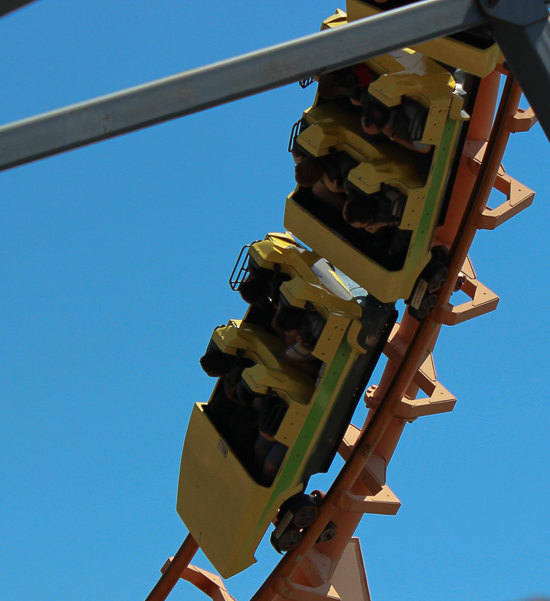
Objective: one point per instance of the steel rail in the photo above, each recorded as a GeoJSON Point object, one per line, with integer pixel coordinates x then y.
{"type": "Point", "coordinates": [415, 352]}
{"type": "Point", "coordinates": [174, 570]}
{"type": "Point", "coordinates": [213, 85]}
{"type": "Point", "coordinates": [483, 185]}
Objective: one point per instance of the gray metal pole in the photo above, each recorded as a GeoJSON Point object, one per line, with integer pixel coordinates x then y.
{"type": "Point", "coordinates": [8, 6]}
{"type": "Point", "coordinates": [527, 52]}
{"type": "Point", "coordinates": [199, 89]}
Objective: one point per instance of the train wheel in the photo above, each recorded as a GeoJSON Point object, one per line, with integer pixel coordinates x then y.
{"type": "Point", "coordinates": [436, 271]}
{"type": "Point", "coordinates": [305, 516]}
{"type": "Point", "coordinates": [423, 298]}
{"type": "Point", "coordinates": [318, 496]}
{"type": "Point", "coordinates": [288, 540]}
{"type": "Point", "coordinates": [426, 306]}
{"type": "Point", "coordinates": [328, 533]}
{"type": "Point", "coordinates": [305, 511]}
{"type": "Point", "coordinates": [438, 279]}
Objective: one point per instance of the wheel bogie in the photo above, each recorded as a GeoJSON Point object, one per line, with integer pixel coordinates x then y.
{"type": "Point", "coordinates": [424, 296]}
{"type": "Point", "coordinates": [296, 515]}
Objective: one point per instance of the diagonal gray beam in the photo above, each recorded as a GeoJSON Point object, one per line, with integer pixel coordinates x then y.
{"type": "Point", "coordinates": [199, 89]}
{"type": "Point", "coordinates": [8, 6]}
{"type": "Point", "coordinates": [527, 52]}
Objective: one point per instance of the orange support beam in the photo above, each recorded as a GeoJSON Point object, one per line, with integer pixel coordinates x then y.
{"type": "Point", "coordinates": [174, 570]}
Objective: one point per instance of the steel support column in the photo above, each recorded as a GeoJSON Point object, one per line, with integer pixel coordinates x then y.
{"type": "Point", "coordinates": [522, 30]}
{"type": "Point", "coordinates": [199, 89]}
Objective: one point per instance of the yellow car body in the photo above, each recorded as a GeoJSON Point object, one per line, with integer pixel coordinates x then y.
{"type": "Point", "coordinates": [327, 125]}
{"type": "Point", "coordinates": [225, 508]}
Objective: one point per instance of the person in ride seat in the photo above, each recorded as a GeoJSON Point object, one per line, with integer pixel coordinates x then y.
{"type": "Point", "coordinates": [361, 215]}
{"type": "Point", "coordinates": [288, 322]}
{"type": "Point", "coordinates": [338, 165]}
{"type": "Point", "coordinates": [269, 453]}
{"type": "Point", "coordinates": [250, 430]}
{"type": "Point", "coordinates": [230, 411]}
{"type": "Point", "coordinates": [326, 176]}
{"type": "Point", "coordinates": [350, 82]}
{"type": "Point", "coordinates": [260, 289]}
{"type": "Point", "coordinates": [226, 366]}
{"type": "Point", "coordinates": [269, 457]}
{"type": "Point", "coordinates": [254, 289]}
{"type": "Point", "coordinates": [261, 285]}
{"type": "Point", "coordinates": [403, 124]}
{"type": "Point", "coordinates": [308, 171]}
{"type": "Point", "coordinates": [215, 363]}
{"type": "Point", "coordinates": [374, 211]}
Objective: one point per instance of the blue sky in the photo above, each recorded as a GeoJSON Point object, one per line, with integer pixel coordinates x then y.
{"type": "Point", "coordinates": [115, 260]}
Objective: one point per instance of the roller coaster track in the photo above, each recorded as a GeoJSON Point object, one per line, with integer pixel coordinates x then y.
{"type": "Point", "coordinates": [306, 573]}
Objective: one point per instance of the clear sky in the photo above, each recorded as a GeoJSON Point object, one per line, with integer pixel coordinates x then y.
{"type": "Point", "coordinates": [115, 260]}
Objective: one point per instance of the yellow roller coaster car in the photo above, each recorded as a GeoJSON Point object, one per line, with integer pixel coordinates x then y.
{"type": "Point", "coordinates": [222, 498]}
{"type": "Point", "coordinates": [388, 264]}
